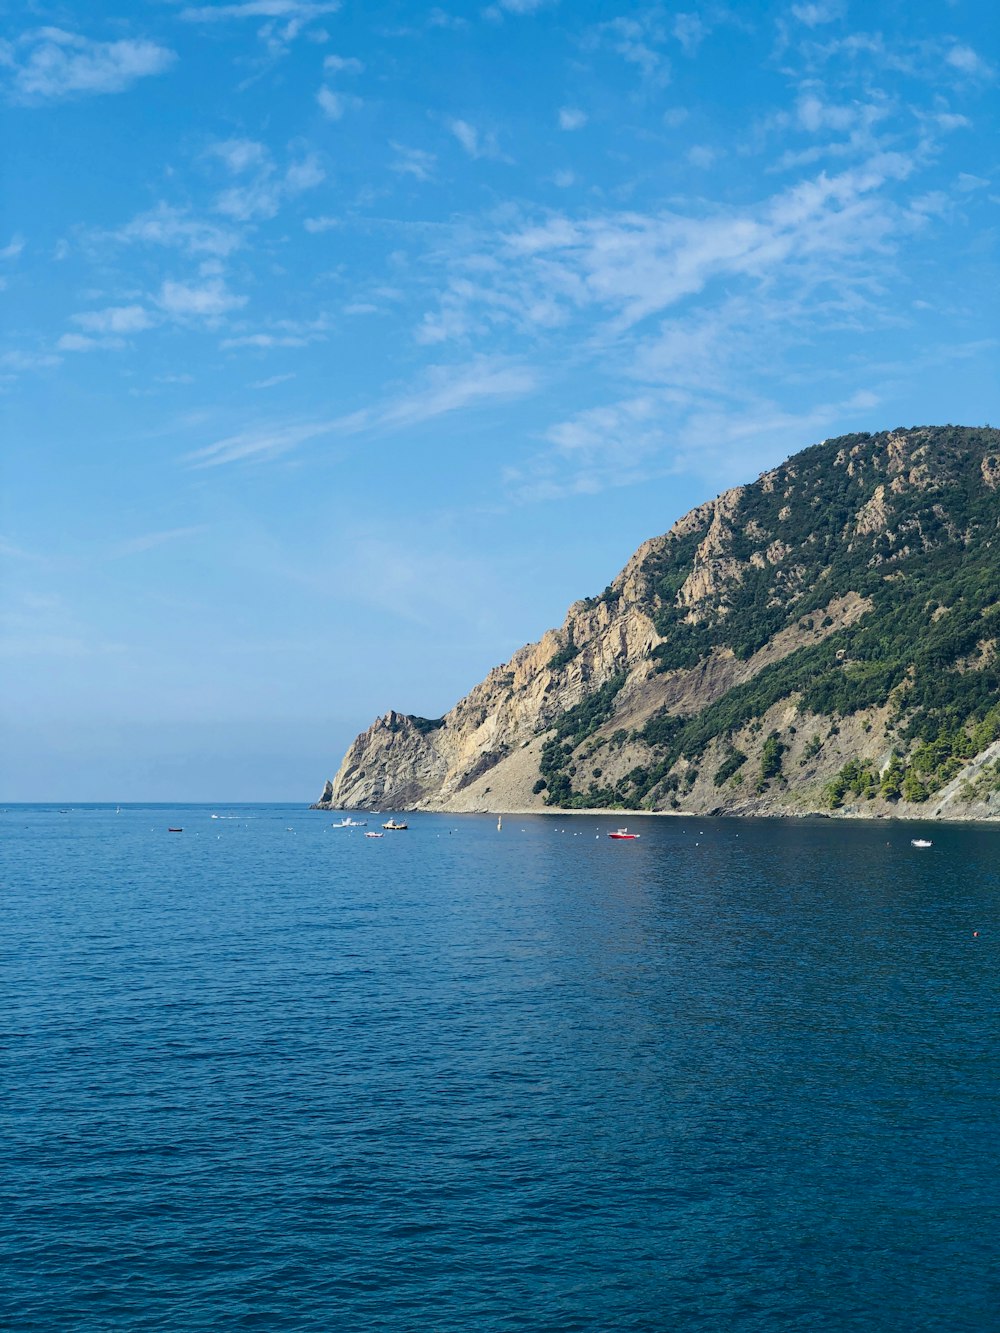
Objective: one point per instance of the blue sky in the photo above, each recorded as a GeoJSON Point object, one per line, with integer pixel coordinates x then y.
{"type": "Point", "coordinates": [345, 345]}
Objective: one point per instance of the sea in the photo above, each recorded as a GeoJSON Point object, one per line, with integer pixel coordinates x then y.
{"type": "Point", "coordinates": [271, 1074]}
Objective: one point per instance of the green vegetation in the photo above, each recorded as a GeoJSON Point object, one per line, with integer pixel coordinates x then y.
{"type": "Point", "coordinates": [927, 560]}
{"type": "Point", "coordinates": [425, 724]}
{"type": "Point", "coordinates": [732, 764]}
{"type": "Point", "coordinates": [565, 655]}
{"type": "Point", "coordinates": [575, 725]}
{"type": "Point", "coordinates": [855, 778]}
{"type": "Point", "coordinates": [770, 759]}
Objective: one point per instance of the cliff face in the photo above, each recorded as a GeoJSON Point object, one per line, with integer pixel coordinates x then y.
{"type": "Point", "coordinates": [820, 639]}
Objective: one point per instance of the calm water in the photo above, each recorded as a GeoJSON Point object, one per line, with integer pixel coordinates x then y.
{"type": "Point", "coordinates": [268, 1074]}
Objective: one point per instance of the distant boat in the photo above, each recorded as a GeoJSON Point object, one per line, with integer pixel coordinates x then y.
{"type": "Point", "coordinates": [499, 822]}
{"type": "Point", "coordinates": [921, 842]}
{"type": "Point", "coordinates": [351, 823]}
{"type": "Point", "coordinates": [374, 835]}
{"type": "Point", "coordinates": [175, 830]}
{"type": "Point", "coordinates": [394, 827]}
{"type": "Point", "coordinates": [624, 833]}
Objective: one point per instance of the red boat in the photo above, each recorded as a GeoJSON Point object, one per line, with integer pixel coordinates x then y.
{"type": "Point", "coordinates": [623, 833]}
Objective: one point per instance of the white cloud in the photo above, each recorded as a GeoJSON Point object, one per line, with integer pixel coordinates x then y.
{"type": "Point", "coordinates": [240, 155]}
{"type": "Point", "coordinates": [636, 41]}
{"type": "Point", "coordinates": [150, 540]}
{"type": "Point", "coordinates": [690, 30]}
{"type": "Point", "coordinates": [700, 155]}
{"type": "Point", "coordinates": [321, 224]}
{"type": "Point", "coordinates": [50, 63]}
{"type": "Point", "coordinates": [13, 248]}
{"type": "Point", "coordinates": [412, 162]}
{"type": "Point", "coordinates": [636, 440]}
{"type": "Point", "coordinates": [632, 265]}
{"type": "Point", "coordinates": [445, 390]}
{"type": "Point", "coordinates": [815, 14]}
{"type": "Point", "coordinates": [572, 118]}
{"type": "Point", "coordinates": [290, 10]}
{"type": "Point", "coordinates": [115, 319]}
{"type": "Point", "coordinates": [342, 65]}
{"type": "Point", "coordinates": [206, 300]}
{"type": "Point", "coordinates": [476, 144]}
{"type": "Point", "coordinates": [21, 360]}
{"type": "Point", "coordinates": [335, 105]}
{"type": "Point", "coordinates": [165, 225]}
{"type": "Point", "coordinates": [262, 195]}
{"type": "Point", "coordinates": [966, 61]}
{"type": "Point", "coordinates": [81, 342]}
{"type": "Point", "coordinates": [273, 380]}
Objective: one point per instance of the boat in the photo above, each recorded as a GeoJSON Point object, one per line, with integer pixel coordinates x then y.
{"type": "Point", "coordinates": [351, 823]}
{"type": "Point", "coordinates": [921, 842]}
{"type": "Point", "coordinates": [393, 826]}
{"type": "Point", "coordinates": [175, 830]}
{"type": "Point", "coordinates": [623, 833]}
{"type": "Point", "coordinates": [374, 835]}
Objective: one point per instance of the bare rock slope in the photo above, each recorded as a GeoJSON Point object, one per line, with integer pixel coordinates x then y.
{"type": "Point", "coordinates": [822, 639]}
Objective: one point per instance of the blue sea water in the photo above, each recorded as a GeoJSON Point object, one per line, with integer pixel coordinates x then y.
{"type": "Point", "coordinates": [268, 1074]}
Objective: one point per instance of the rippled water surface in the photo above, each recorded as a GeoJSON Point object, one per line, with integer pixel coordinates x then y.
{"type": "Point", "coordinates": [270, 1074]}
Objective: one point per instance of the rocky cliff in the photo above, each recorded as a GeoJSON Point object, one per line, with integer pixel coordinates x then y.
{"type": "Point", "coordinates": [822, 639]}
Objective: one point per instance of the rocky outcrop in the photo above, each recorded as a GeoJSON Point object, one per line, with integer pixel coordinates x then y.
{"type": "Point", "coordinates": [649, 688]}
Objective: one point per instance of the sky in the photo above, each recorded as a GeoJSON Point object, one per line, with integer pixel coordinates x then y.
{"type": "Point", "coordinates": [345, 345]}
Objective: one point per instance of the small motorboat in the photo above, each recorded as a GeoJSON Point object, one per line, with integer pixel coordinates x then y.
{"type": "Point", "coordinates": [175, 830]}
{"type": "Point", "coordinates": [351, 823]}
{"type": "Point", "coordinates": [921, 842]}
{"type": "Point", "coordinates": [393, 827]}
{"type": "Point", "coordinates": [623, 834]}
{"type": "Point", "coordinates": [374, 835]}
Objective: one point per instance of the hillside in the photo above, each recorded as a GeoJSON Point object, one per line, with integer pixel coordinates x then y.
{"type": "Point", "coordinates": [824, 639]}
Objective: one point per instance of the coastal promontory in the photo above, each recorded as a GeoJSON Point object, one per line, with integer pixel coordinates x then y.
{"type": "Point", "coordinates": [823, 639]}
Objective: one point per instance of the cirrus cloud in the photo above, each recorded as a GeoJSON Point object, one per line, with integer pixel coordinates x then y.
{"type": "Point", "coordinates": [49, 64]}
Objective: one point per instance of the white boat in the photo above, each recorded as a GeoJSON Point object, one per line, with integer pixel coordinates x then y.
{"type": "Point", "coordinates": [921, 842]}
{"type": "Point", "coordinates": [374, 835]}
{"type": "Point", "coordinates": [394, 827]}
{"type": "Point", "coordinates": [351, 823]}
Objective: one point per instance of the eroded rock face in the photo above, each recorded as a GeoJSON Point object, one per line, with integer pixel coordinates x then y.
{"type": "Point", "coordinates": [486, 751]}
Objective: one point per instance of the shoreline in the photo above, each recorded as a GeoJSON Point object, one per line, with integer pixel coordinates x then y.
{"type": "Point", "coordinates": [606, 812]}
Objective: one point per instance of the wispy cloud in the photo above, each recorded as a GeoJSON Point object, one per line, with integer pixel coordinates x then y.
{"type": "Point", "coordinates": [49, 64]}
{"type": "Point", "coordinates": [572, 118]}
{"type": "Point", "coordinates": [412, 162]}
{"type": "Point", "coordinates": [335, 105]}
{"type": "Point", "coordinates": [633, 264]}
{"type": "Point", "coordinates": [475, 142]}
{"type": "Point", "coordinates": [969, 62]}
{"type": "Point", "coordinates": [19, 359]}
{"type": "Point", "coordinates": [176, 228]}
{"type": "Point", "coordinates": [819, 12]}
{"type": "Point", "coordinates": [82, 342]}
{"type": "Point", "coordinates": [301, 10]}
{"type": "Point", "coordinates": [239, 155]}
{"type": "Point", "coordinates": [651, 436]}
{"type": "Point", "coordinates": [445, 390]}
{"type": "Point", "coordinates": [115, 319]}
{"type": "Point", "coordinates": [639, 41]}
{"type": "Point", "coordinates": [148, 541]}
{"type": "Point", "coordinates": [262, 188]}
{"type": "Point", "coordinates": [198, 300]}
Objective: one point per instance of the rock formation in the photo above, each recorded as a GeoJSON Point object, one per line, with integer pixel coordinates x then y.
{"type": "Point", "coordinates": [820, 640]}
